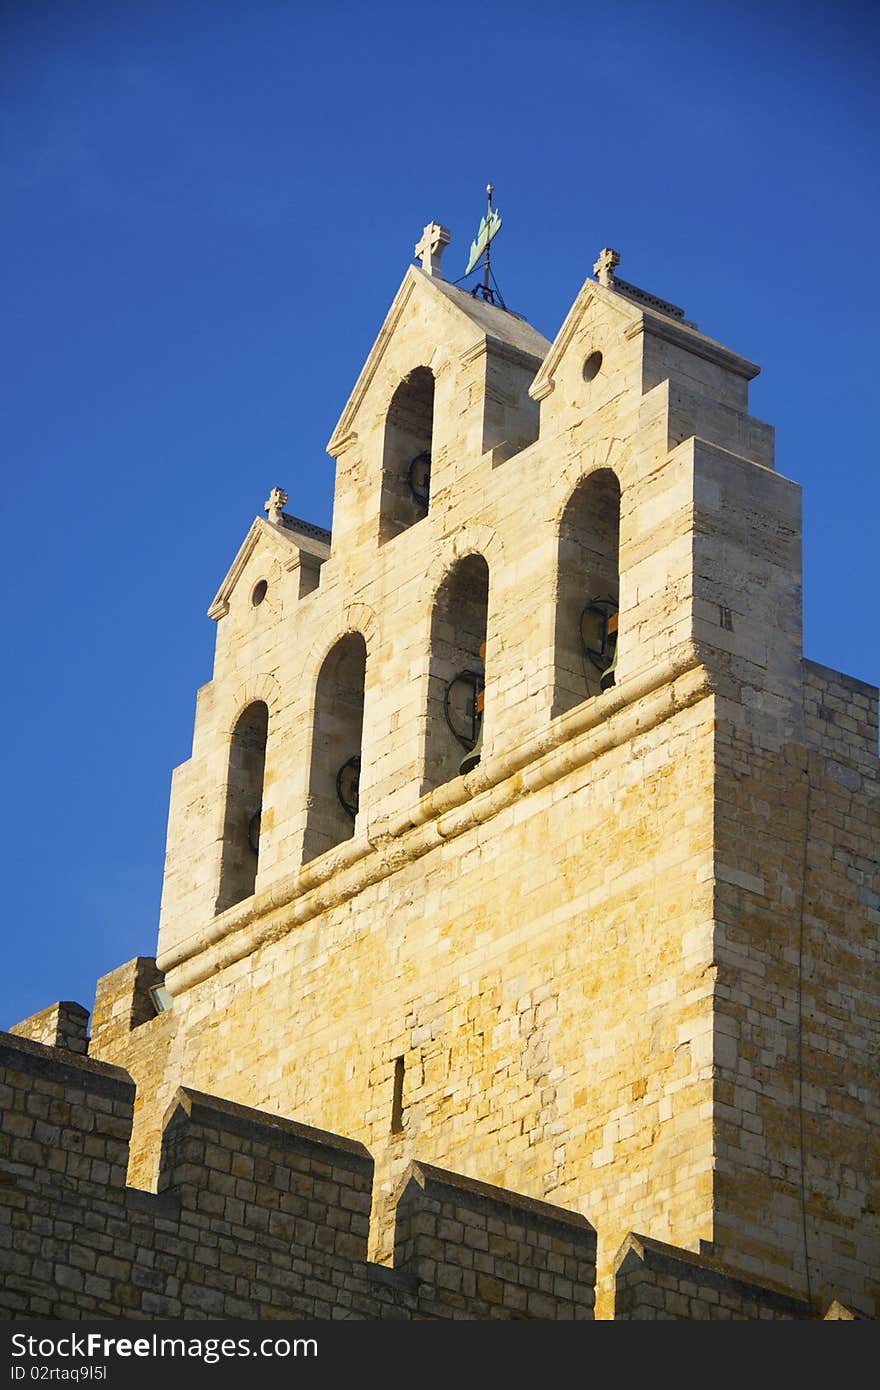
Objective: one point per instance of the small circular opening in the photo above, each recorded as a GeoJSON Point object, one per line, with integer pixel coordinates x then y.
{"type": "Point", "coordinates": [259, 593]}
{"type": "Point", "coordinates": [592, 365]}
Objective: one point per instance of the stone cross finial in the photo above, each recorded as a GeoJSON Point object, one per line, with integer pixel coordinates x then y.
{"type": "Point", "coordinates": [434, 241]}
{"type": "Point", "coordinates": [276, 500]}
{"type": "Point", "coordinates": [606, 265]}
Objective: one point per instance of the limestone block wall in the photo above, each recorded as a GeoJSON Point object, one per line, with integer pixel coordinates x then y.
{"type": "Point", "coordinates": [748, 589]}
{"type": "Point", "coordinates": [798, 997]}
{"type": "Point", "coordinates": [543, 970]}
{"type": "Point", "coordinates": [64, 1024]}
{"type": "Point", "coordinates": [502, 498]}
{"type": "Point", "coordinates": [63, 1158]}
{"type": "Point", "coordinates": [487, 1253]}
{"type": "Point", "coordinates": [628, 962]}
{"type": "Point", "coordinates": [565, 1052]}
{"type": "Point", "coordinates": [127, 1031]}
{"type": "Point", "coordinates": [255, 1217]}
{"type": "Point", "coordinates": [658, 1282]}
{"type": "Point", "coordinates": [533, 948]}
{"type": "Point", "coordinates": [840, 720]}
{"type": "Point", "coordinates": [259, 1217]}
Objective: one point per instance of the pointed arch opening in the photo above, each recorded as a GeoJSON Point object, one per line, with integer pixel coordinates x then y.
{"type": "Point", "coordinates": [334, 775]}
{"type": "Point", "coordinates": [587, 592]}
{"type": "Point", "coordinates": [406, 456]}
{"type": "Point", "coordinates": [456, 672]}
{"type": "Point", "coordinates": [240, 854]}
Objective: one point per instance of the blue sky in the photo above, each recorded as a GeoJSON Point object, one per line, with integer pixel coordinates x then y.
{"type": "Point", "coordinates": [208, 210]}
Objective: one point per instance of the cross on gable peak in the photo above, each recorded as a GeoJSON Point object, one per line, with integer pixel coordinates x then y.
{"type": "Point", "coordinates": [606, 265]}
{"type": "Point", "coordinates": [430, 248]}
{"type": "Point", "coordinates": [274, 504]}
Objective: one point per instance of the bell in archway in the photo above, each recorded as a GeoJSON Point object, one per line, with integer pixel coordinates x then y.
{"type": "Point", "coordinates": [599, 623]}
{"type": "Point", "coordinates": [607, 678]}
{"type": "Point", "coordinates": [472, 757]}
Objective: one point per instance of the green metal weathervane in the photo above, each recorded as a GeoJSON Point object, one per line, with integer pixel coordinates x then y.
{"type": "Point", "coordinates": [489, 228]}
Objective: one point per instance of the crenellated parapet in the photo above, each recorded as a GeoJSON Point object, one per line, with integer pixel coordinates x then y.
{"type": "Point", "coordinates": [64, 1024]}
{"type": "Point", "coordinates": [655, 1281]}
{"type": "Point", "coordinates": [257, 1216]}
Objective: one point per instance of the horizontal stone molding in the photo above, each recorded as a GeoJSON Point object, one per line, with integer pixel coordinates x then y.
{"type": "Point", "coordinates": [569, 742]}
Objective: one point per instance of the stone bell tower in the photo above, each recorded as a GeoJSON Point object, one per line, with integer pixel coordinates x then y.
{"type": "Point", "coordinates": [624, 962]}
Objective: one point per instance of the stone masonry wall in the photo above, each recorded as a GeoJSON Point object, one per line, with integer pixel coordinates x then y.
{"type": "Point", "coordinates": [628, 963]}
{"type": "Point", "coordinates": [260, 1217]}
{"type": "Point", "coordinates": [840, 717]}
{"type": "Point", "coordinates": [655, 1282]}
{"type": "Point", "coordinates": [255, 1217]}
{"type": "Point", "coordinates": [64, 1024]}
{"type": "Point", "coordinates": [127, 1031]}
{"type": "Point", "coordinates": [554, 1028]}
{"type": "Point", "coordinates": [798, 990]}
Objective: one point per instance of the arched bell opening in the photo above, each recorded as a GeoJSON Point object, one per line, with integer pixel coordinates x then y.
{"type": "Point", "coordinates": [334, 775]}
{"type": "Point", "coordinates": [406, 457]}
{"type": "Point", "coordinates": [587, 592]}
{"type": "Point", "coordinates": [456, 673]}
{"type": "Point", "coordinates": [244, 803]}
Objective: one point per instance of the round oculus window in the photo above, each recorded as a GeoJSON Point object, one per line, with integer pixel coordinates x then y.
{"type": "Point", "coordinates": [592, 366]}
{"type": "Point", "coordinates": [259, 593]}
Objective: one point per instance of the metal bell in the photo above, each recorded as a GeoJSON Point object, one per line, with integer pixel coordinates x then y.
{"type": "Point", "coordinates": [472, 757]}
{"type": "Point", "coordinates": [606, 680]}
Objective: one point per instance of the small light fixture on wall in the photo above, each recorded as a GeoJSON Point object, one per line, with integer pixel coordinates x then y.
{"type": "Point", "coordinates": [161, 999]}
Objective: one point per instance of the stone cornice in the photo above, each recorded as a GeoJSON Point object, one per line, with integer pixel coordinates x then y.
{"type": "Point", "coordinates": [344, 442]}
{"type": "Point", "coordinates": [571, 741]}
{"type": "Point", "coordinates": [691, 341]}
{"type": "Point", "coordinates": [494, 347]}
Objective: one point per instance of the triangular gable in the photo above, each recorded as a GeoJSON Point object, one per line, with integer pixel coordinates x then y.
{"type": "Point", "coordinates": [489, 322]}
{"type": "Point", "coordinates": [679, 332]}
{"type": "Point", "coordinates": [544, 381]}
{"type": "Point", "coordinates": [287, 542]}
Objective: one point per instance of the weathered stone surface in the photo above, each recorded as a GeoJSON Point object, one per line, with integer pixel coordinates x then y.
{"type": "Point", "coordinates": [628, 964]}
{"type": "Point", "coordinates": [208, 1248]}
